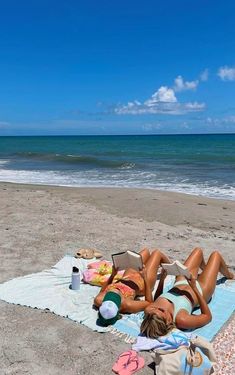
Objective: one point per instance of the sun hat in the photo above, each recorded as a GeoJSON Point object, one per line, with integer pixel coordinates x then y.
{"type": "Point", "coordinates": [109, 310]}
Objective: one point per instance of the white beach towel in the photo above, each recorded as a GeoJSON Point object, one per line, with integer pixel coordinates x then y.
{"type": "Point", "coordinates": [49, 289]}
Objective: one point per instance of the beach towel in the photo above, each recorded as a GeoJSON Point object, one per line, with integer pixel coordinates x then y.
{"type": "Point", "coordinates": [50, 289]}
{"type": "Point", "coordinates": [221, 305]}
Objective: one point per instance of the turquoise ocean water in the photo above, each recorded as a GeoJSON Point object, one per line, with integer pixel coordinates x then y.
{"type": "Point", "coordinates": [193, 164]}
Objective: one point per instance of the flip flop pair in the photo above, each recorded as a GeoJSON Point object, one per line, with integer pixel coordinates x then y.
{"type": "Point", "coordinates": [128, 363]}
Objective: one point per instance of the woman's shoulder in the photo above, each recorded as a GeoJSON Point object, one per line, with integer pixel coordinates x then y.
{"type": "Point", "coordinates": [99, 299]}
{"type": "Point", "coordinates": [181, 318]}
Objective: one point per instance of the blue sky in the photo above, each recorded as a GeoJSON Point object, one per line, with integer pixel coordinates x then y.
{"type": "Point", "coordinates": [117, 67]}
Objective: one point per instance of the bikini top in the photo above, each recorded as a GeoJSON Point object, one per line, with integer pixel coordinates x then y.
{"type": "Point", "coordinates": [125, 290]}
{"type": "Point", "coordinates": [180, 302]}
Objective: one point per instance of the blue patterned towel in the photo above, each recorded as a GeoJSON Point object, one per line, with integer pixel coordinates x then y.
{"type": "Point", "coordinates": [221, 305]}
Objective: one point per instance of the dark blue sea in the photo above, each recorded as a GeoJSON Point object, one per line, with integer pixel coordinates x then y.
{"type": "Point", "coordinates": [193, 164]}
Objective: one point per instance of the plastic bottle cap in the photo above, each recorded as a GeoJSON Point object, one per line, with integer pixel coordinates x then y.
{"type": "Point", "coordinates": [75, 269]}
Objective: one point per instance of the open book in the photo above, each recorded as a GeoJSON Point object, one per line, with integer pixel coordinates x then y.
{"type": "Point", "coordinates": [176, 268]}
{"type": "Point", "coordinates": [127, 259]}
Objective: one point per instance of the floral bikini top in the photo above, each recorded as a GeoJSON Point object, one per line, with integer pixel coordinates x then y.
{"type": "Point", "coordinates": [125, 290]}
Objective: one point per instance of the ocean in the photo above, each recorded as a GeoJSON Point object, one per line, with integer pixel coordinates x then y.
{"type": "Point", "coordinates": [193, 164]}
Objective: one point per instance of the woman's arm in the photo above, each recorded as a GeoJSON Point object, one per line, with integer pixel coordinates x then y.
{"type": "Point", "coordinates": [186, 321]}
{"type": "Point", "coordinates": [148, 291]}
{"type": "Point", "coordinates": [100, 296]}
{"type": "Point", "coordinates": [110, 279]}
{"type": "Point", "coordinates": [201, 300]}
{"type": "Point", "coordinates": [160, 284]}
{"type": "Point", "coordinates": [131, 306]}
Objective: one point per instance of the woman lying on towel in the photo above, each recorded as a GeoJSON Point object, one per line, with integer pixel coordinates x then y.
{"type": "Point", "coordinates": [174, 308]}
{"type": "Point", "coordinates": [119, 296]}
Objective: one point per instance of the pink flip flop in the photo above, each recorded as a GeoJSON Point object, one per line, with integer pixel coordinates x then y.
{"type": "Point", "coordinates": [135, 364]}
{"type": "Point", "coordinates": [123, 360]}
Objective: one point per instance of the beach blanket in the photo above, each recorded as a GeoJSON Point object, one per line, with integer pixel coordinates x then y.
{"type": "Point", "coordinates": [50, 289]}
{"type": "Point", "coordinates": [221, 305]}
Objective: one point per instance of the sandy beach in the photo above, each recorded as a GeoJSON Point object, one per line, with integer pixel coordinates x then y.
{"type": "Point", "coordinates": [39, 224]}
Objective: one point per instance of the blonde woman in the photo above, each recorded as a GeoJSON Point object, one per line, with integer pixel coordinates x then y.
{"type": "Point", "coordinates": [174, 308]}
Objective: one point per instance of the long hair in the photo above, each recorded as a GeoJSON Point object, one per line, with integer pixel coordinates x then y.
{"type": "Point", "coordinates": [154, 326]}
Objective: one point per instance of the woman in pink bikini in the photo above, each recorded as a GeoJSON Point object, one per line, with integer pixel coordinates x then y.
{"type": "Point", "coordinates": [119, 296]}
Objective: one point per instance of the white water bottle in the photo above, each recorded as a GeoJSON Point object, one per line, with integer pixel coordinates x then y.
{"type": "Point", "coordinates": [75, 279]}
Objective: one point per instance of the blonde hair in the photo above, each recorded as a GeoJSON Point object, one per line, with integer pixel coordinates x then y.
{"type": "Point", "coordinates": [154, 326]}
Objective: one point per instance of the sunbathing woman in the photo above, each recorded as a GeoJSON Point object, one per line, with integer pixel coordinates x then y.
{"type": "Point", "coordinates": [174, 308]}
{"type": "Point", "coordinates": [119, 296]}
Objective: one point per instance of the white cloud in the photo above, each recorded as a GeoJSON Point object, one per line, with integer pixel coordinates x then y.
{"type": "Point", "coordinates": [181, 85]}
{"type": "Point", "coordinates": [226, 74]}
{"type": "Point", "coordinates": [162, 95]}
{"type": "Point", "coordinates": [159, 108]}
{"type": "Point", "coordinates": [195, 106]}
{"type": "Point", "coordinates": [204, 75]}
{"type": "Point", "coordinates": [163, 101]}
{"type": "Point", "coordinates": [220, 121]}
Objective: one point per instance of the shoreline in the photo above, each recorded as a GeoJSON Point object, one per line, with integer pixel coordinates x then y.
{"type": "Point", "coordinates": [54, 185]}
{"type": "Point", "coordinates": [40, 223]}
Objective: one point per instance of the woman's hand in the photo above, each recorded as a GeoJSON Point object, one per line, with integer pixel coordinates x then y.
{"type": "Point", "coordinates": [114, 271]}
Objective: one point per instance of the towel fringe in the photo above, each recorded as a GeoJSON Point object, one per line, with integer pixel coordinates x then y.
{"type": "Point", "coordinates": [127, 338]}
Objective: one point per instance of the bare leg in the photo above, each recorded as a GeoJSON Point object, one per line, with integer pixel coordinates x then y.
{"type": "Point", "coordinates": [145, 254]}
{"type": "Point", "coordinates": [208, 277]}
{"type": "Point", "coordinates": [194, 262]}
{"type": "Point", "coordinates": [152, 265]}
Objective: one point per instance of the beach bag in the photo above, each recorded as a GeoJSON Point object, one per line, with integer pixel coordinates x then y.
{"type": "Point", "coordinates": [197, 358]}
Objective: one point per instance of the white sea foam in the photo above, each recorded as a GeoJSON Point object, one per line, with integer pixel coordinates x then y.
{"type": "Point", "coordinates": [3, 162]}
{"type": "Point", "coordinates": [128, 166]}
{"type": "Point", "coordinates": [144, 180]}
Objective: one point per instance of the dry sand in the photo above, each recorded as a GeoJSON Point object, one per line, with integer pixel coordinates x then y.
{"type": "Point", "coordinates": [39, 224]}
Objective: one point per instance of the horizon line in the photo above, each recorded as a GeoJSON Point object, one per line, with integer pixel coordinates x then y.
{"type": "Point", "coordinates": [113, 135]}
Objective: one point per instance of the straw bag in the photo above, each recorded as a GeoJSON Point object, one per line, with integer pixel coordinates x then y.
{"type": "Point", "coordinates": [196, 359]}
